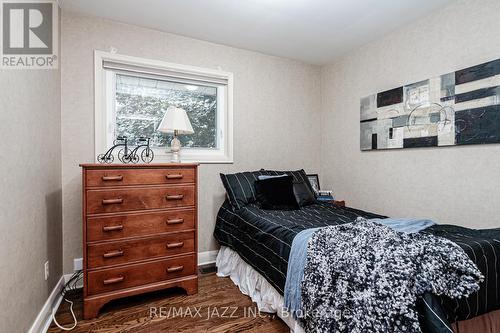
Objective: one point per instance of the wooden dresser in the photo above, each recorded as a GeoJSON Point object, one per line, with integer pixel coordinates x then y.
{"type": "Point", "coordinates": [139, 230]}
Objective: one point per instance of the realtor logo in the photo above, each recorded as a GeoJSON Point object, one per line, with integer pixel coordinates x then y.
{"type": "Point", "coordinates": [29, 34]}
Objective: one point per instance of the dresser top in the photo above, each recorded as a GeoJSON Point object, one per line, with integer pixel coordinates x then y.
{"type": "Point", "coordinates": [138, 166]}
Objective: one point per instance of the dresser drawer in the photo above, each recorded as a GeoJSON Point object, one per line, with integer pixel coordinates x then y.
{"type": "Point", "coordinates": [138, 224]}
{"type": "Point", "coordinates": [128, 199]}
{"type": "Point", "coordinates": [123, 177]}
{"type": "Point", "coordinates": [109, 279]}
{"type": "Point", "coordinates": [119, 252]}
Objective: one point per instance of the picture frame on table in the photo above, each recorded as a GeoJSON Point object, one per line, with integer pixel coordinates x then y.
{"type": "Point", "coordinates": [314, 180]}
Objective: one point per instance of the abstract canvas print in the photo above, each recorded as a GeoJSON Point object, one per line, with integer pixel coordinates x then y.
{"type": "Point", "coordinates": [458, 108]}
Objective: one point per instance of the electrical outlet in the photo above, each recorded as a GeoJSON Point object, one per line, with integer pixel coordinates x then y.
{"type": "Point", "coordinates": [46, 266]}
{"type": "Point", "coordinates": [78, 264]}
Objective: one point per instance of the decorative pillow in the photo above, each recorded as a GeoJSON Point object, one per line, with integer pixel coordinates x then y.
{"type": "Point", "coordinates": [240, 187]}
{"type": "Point", "coordinates": [276, 193]}
{"type": "Point", "coordinates": [298, 176]}
{"type": "Point", "coordinates": [303, 194]}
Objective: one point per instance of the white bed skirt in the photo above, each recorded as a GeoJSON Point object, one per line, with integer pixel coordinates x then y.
{"type": "Point", "coordinates": [252, 284]}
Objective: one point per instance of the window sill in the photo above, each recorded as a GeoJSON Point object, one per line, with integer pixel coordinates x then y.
{"type": "Point", "coordinates": [166, 158]}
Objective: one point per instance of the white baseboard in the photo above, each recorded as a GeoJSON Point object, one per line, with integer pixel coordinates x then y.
{"type": "Point", "coordinates": [207, 257]}
{"type": "Point", "coordinates": [44, 318]}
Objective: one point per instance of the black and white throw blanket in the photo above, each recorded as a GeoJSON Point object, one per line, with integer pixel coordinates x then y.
{"type": "Point", "coordinates": [365, 277]}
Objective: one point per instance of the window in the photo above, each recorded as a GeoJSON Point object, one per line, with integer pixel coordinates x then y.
{"type": "Point", "coordinates": [132, 95]}
{"type": "Point", "coordinates": [139, 105]}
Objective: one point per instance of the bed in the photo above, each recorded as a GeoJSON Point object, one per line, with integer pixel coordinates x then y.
{"type": "Point", "coordinates": [263, 238]}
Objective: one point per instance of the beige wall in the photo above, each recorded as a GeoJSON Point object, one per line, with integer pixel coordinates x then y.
{"type": "Point", "coordinates": [458, 185]}
{"type": "Point", "coordinates": [276, 111]}
{"type": "Point", "coordinates": [30, 193]}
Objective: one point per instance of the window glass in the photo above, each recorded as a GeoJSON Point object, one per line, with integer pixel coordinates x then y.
{"type": "Point", "coordinates": [140, 104]}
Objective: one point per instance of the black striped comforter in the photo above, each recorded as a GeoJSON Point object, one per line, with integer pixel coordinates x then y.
{"type": "Point", "coordinates": [263, 238]}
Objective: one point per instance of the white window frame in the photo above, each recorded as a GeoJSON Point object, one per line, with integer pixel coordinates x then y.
{"type": "Point", "coordinates": [102, 84]}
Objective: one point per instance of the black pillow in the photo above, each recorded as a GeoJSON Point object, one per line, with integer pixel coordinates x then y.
{"type": "Point", "coordinates": [276, 193]}
{"type": "Point", "coordinates": [303, 194]}
{"type": "Point", "coordinates": [240, 187]}
{"type": "Point", "coordinates": [298, 176]}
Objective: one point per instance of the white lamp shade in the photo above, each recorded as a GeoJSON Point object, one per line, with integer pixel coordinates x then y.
{"type": "Point", "coordinates": [175, 119]}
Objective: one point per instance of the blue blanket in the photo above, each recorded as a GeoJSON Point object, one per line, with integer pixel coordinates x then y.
{"type": "Point", "coordinates": [295, 271]}
{"type": "Point", "coordinates": [298, 257]}
{"type": "Point", "coordinates": [406, 225]}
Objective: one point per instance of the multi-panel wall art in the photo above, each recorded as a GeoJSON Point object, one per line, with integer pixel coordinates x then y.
{"type": "Point", "coordinates": [458, 108]}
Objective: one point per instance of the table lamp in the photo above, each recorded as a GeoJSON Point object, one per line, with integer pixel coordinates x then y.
{"type": "Point", "coordinates": [175, 121]}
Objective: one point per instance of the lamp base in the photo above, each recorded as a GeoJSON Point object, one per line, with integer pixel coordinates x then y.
{"type": "Point", "coordinates": [175, 157]}
{"type": "Point", "coordinates": [175, 148]}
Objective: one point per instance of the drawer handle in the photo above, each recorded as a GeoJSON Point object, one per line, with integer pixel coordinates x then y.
{"type": "Point", "coordinates": [112, 228]}
{"type": "Point", "coordinates": [114, 280]}
{"type": "Point", "coordinates": [174, 245]}
{"type": "Point", "coordinates": [175, 197]}
{"type": "Point", "coordinates": [174, 269]}
{"type": "Point", "coordinates": [112, 201]}
{"type": "Point", "coordinates": [112, 178]}
{"type": "Point", "coordinates": [113, 254]}
{"type": "Point", "coordinates": [175, 176]}
{"type": "Point", "coordinates": [175, 221]}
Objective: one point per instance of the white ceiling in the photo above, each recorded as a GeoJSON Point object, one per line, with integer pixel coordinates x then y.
{"type": "Point", "coordinates": [314, 31]}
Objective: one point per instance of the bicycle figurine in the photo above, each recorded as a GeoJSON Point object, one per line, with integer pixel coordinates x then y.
{"type": "Point", "coordinates": [108, 156]}
{"type": "Point", "coordinates": [127, 155]}
{"type": "Point", "coordinates": [147, 154]}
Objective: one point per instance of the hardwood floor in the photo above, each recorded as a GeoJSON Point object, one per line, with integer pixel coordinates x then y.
{"type": "Point", "coordinates": [218, 298]}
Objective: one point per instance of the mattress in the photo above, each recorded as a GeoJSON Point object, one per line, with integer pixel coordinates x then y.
{"type": "Point", "coordinates": [263, 239]}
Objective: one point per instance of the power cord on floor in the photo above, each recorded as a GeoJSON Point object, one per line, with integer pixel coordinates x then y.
{"type": "Point", "coordinates": [71, 285]}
